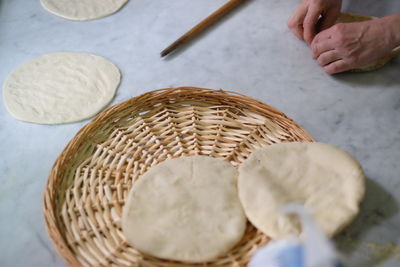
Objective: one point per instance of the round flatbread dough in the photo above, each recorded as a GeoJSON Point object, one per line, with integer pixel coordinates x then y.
{"type": "Point", "coordinates": [185, 209]}
{"type": "Point", "coordinates": [82, 9]}
{"type": "Point", "coordinates": [60, 88]}
{"type": "Point", "coordinates": [326, 179]}
{"type": "Point", "coordinates": [348, 18]}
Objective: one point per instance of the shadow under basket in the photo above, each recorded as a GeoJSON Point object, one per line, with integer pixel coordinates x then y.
{"type": "Point", "coordinates": [90, 180]}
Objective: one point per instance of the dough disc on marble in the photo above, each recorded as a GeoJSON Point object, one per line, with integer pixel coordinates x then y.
{"type": "Point", "coordinates": [327, 180]}
{"type": "Point", "coordinates": [185, 209]}
{"type": "Point", "coordinates": [348, 18]}
{"type": "Point", "coordinates": [82, 9]}
{"type": "Point", "coordinates": [60, 88]}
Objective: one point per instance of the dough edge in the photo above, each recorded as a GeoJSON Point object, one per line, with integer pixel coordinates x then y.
{"type": "Point", "coordinates": [358, 198]}
{"type": "Point", "coordinates": [82, 118]}
{"type": "Point", "coordinates": [241, 235]}
{"type": "Point", "coordinates": [53, 12]}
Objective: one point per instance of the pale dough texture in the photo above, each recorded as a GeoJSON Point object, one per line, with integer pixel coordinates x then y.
{"type": "Point", "coordinates": [82, 9]}
{"type": "Point", "coordinates": [185, 209]}
{"type": "Point", "coordinates": [327, 180]}
{"type": "Point", "coordinates": [60, 88]}
{"type": "Point", "coordinates": [348, 18]}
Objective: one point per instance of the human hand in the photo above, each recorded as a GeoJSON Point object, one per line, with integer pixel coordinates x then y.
{"type": "Point", "coordinates": [348, 46]}
{"type": "Point", "coordinates": [313, 14]}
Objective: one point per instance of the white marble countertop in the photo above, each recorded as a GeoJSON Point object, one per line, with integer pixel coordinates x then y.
{"type": "Point", "coordinates": [251, 52]}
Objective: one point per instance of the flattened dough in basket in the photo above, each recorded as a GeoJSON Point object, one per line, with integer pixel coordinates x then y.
{"type": "Point", "coordinates": [60, 88]}
{"type": "Point", "coordinates": [348, 18]}
{"type": "Point", "coordinates": [185, 209]}
{"type": "Point", "coordinates": [82, 9]}
{"type": "Point", "coordinates": [326, 179]}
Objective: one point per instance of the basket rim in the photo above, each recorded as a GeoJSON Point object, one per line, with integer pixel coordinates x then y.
{"type": "Point", "coordinates": [50, 193]}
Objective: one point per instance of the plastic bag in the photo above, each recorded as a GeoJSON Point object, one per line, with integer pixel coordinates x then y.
{"type": "Point", "coordinates": [316, 250]}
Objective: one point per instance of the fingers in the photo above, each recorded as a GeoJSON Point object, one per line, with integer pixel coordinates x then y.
{"type": "Point", "coordinates": [321, 43]}
{"type": "Point", "coordinates": [310, 22]}
{"type": "Point", "coordinates": [313, 17]}
{"type": "Point", "coordinates": [336, 67]}
{"type": "Point", "coordinates": [328, 57]}
{"type": "Point", "coordinates": [323, 50]}
{"type": "Point", "coordinates": [295, 23]}
{"type": "Point", "coordinates": [327, 48]}
{"type": "Point", "coordinates": [298, 31]}
{"type": "Point", "coordinates": [294, 26]}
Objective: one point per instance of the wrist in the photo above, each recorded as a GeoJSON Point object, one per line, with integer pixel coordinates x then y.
{"type": "Point", "coordinates": [393, 29]}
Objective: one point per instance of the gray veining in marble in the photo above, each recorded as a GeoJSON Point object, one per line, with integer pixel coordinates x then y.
{"type": "Point", "coordinates": [251, 52]}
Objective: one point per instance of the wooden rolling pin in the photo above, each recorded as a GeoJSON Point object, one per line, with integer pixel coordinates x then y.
{"type": "Point", "coordinates": [204, 24]}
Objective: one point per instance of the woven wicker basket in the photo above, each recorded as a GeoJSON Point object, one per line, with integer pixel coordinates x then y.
{"type": "Point", "coordinates": [90, 180]}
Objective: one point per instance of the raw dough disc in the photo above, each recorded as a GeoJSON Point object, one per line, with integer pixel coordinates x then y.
{"type": "Point", "coordinates": [60, 88]}
{"type": "Point", "coordinates": [185, 209]}
{"type": "Point", "coordinates": [348, 18]}
{"type": "Point", "coordinates": [327, 180]}
{"type": "Point", "coordinates": [82, 9]}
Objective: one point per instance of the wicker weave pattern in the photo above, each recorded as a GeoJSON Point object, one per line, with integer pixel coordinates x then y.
{"type": "Point", "coordinates": [90, 180]}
